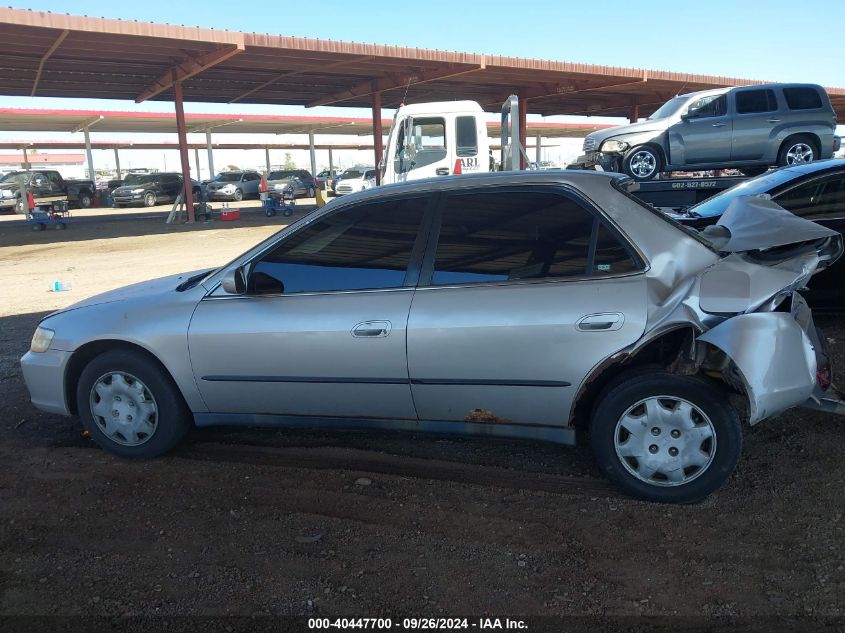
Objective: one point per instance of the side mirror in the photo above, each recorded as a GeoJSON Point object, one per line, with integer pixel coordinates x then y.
{"type": "Point", "coordinates": [234, 281]}
{"type": "Point", "coordinates": [685, 116]}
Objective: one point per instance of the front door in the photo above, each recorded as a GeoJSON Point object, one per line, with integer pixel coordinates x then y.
{"type": "Point", "coordinates": [431, 158]}
{"type": "Point", "coordinates": [528, 291]}
{"type": "Point", "coordinates": [321, 328]}
{"type": "Point", "coordinates": [703, 135]}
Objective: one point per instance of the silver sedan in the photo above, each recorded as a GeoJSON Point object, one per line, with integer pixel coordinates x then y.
{"type": "Point", "coordinates": [533, 305]}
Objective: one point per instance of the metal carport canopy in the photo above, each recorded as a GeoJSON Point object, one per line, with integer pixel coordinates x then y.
{"type": "Point", "coordinates": [57, 55]}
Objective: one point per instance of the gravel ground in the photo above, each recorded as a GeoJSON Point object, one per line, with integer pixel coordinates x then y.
{"type": "Point", "coordinates": [267, 523]}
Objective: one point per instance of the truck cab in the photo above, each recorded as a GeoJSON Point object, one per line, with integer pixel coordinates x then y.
{"type": "Point", "coordinates": [431, 139]}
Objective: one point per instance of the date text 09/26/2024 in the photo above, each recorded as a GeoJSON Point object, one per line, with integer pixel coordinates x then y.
{"type": "Point", "coordinates": [413, 624]}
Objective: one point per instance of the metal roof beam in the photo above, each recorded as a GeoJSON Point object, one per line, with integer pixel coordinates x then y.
{"type": "Point", "coordinates": [394, 81]}
{"type": "Point", "coordinates": [45, 57]}
{"type": "Point", "coordinates": [188, 67]}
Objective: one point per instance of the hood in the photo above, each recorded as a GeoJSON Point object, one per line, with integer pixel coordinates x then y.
{"type": "Point", "coordinates": [599, 136]}
{"type": "Point", "coordinates": [752, 223]}
{"type": "Point", "coordinates": [140, 290]}
{"type": "Point", "coordinates": [10, 185]}
{"type": "Point", "coordinates": [127, 188]}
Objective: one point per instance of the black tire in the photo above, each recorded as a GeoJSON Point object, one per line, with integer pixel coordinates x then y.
{"type": "Point", "coordinates": [20, 207]}
{"type": "Point", "coordinates": [792, 144]}
{"type": "Point", "coordinates": [311, 192]}
{"type": "Point", "coordinates": [149, 199]}
{"type": "Point", "coordinates": [173, 416]}
{"type": "Point", "coordinates": [84, 200]}
{"type": "Point", "coordinates": [196, 195]}
{"type": "Point", "coordinates": [38, 226]}
{"type": "Point", "coordinates": [754, 171]}
{"type": "Point", "coordinates": [239, 195]}
{"type": "Point", "coordinates": [642, 162]}
{"type": "Point", "coordinates": [722, 420]}
{"type": "Point", "coordinates": [61, 226]}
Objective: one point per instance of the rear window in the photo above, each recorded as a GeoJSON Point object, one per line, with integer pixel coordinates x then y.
{"type": "Point", "coordinates": [802, 98]}
{"type": "Point", "coordinates": [748, 101]}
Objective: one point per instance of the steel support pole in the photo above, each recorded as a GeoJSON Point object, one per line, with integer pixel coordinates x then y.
{"type": "Point", "coordinates": [313, 154]}
{"type": "Point", "coordinates": [197, 162]}
{"type": "Point", "coordinates": [635, 113]}
{"type": "Point", "coordinates": [523, 132]}
{"type": "Point", "coordinates": [378, 146]}
{"type": "Point", "coordinates": [91, 173]}
{"type": "Point", "coordinates": [117, 163]}
{"type": "Point", "coordinates": [538, 151]}
{"type": "Point", "coordinates": [331, 162]}
{"type": "Point", "coordinates": [187, 190]}
{"type": "Point", "coordinates": [210, 154]}
{"type": "Point", "coordinates": [267, 158]}
{"type": "Point", "coordinates": [25, 160]}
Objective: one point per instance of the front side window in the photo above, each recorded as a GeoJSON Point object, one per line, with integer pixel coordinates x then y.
{"type": "Point", "coordinates": [710, 106]}
{"type": "Point", "coordinates": [364, 247]}
{"type": "Point", "coordinates": [818, 197]}
{"type": "Point", "coordinates": [517, 235]}
{"type": "Point", "coordinates": [802, 98]}
{"type": "Point", "coordinates": [429, 136]}
{"type": "Point", "coordinates": [752, 101]}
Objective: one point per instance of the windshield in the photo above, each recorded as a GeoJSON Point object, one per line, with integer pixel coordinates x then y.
{"type": "Point", "coordinates": [16, 176]}
{"type": "Point", "coordinates": [717, 204]}
{"type": "Point", "coordinates": [352, 173]}
{"type": "Point", "coordinates": [229, 176]}
{"type": "Point", "coordinates": [669, 108]}
{"type": "Point", "coordinates": [139, 179]}
{"type": "Point", "coordinates": [281, 175]}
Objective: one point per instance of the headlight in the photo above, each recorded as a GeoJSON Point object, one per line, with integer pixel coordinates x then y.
{"type": "Point", "coordinates": [6, 193]}
{"type": "Point", "coordinates": [279, 187]}
{"type": "Point", "coordinates": [137, 191]}
{"type": "Point", "coordinates": [41, 339]}
{"type": "Point", "coordinates": [228, 188]}
{"type": "Point", "coordinates": [614, 146]}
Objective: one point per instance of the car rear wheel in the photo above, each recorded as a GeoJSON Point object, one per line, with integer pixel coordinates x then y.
{"type": "Point", "coordinates": [797, 150]}
{"type": "Point", "coordinates": [130, 406]}
{"type": "Point", "coordinates": [149, 199]}
{"type": "Point", "coordinates": [642, 162]}
{"type": "Point", "coordinates": [666, 438]}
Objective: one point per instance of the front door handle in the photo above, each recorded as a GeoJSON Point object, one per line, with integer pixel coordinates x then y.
{"type": "Point", "coordinates": [602, 322]}
{"type": "Point", "coordinates": [442, 171]}
{"type": "Point", "coordinates": [371, 329]}
{"type": "Point", "coordinates": [719, 124]}
{"type": "Point", "coordinates": [774, 120]}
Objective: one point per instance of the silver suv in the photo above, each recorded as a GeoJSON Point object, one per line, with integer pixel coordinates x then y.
{"type": "Point", "coordinates": [748, 128]}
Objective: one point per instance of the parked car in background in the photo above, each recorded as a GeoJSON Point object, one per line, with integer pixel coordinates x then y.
{"type": "Point", "coordinates": [815, 191]}
{"type": "Point", "coordinates": [299, 181]}
{"type": "Point", "coordinates": [325, 177]}
{"type": "Point", "coordinates": [234, 185]}
{"type": "Point", "coordinates": [149, 190]}
{"type": "Point", "coordinates": [520, 304]}
{"type": "Point", "coordinates": [46, 185]}
{"type": "Point", "coordinates": [356, 179]}
{"type": "Point", "coordinates": [749, 128]}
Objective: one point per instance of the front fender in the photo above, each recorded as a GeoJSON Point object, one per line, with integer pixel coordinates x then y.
{"type": "Point", "coordinates": [775, 358]}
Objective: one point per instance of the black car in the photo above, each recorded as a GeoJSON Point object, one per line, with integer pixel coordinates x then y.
{"type": "Point", "coordinates": [815, 191]}
{"type": "Point", "coordinates": [151, 189]}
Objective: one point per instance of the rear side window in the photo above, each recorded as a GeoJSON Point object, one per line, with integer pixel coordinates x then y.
{"type": "Point", "coordinates": [818, 198]}
{"type": "Point", "coordinates": [749, 101]}
{"type": "Point", "coordinates": [367, 246]}
{"type": "Point", "coordinates": [467, 136]}
{"type": "Point", "coordinates": [802, 98]}
{"type": "Point", "coordinates": [515, 235]}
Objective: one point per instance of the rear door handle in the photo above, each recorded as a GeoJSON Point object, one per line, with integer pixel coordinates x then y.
{"type": "Point", "coordinates": [601, 322]}
{"type": "Point", "coordinates": [442, 171]}
{"type": "Point", "coordinates": [371, 329]}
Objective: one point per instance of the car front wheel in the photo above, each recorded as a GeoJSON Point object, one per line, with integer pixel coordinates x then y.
{"type": "Point", "coordinates": [149, 199]}
{"type": "Point", "coordinates": [130, 406]}
{"type": "Point", "coordinates": [666, 438]}
{"type": "Point", "coordinates": [239, 195]}
{"type": "Point", "coordinates": [642, 162]}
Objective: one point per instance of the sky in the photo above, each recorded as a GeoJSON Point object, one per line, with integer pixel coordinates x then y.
{"type": "Point", "coordinates": [775, 40]}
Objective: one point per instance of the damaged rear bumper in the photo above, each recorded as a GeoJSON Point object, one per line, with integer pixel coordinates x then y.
{"type": "Point", "coordinates": [779, 357]}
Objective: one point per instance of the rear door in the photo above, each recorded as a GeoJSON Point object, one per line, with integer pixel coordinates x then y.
{"type": "Point", "coordinates": [755, 122]}
{"type": "Point", "coordinates": [524, 292]}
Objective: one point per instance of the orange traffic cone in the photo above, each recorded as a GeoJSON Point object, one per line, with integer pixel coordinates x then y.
{"type": "Point", "coordinates": [457, 171]}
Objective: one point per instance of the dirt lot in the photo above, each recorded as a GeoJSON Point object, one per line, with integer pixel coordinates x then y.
{"type": "Point", "coordinates": [249, 522]}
